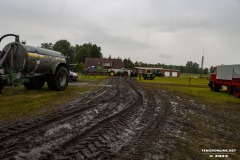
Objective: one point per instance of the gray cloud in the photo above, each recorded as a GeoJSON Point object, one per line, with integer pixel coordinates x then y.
{"type": "Point", "coordinates": [153, 31]}
{"type": "Point", "coordinates": [165, 56]}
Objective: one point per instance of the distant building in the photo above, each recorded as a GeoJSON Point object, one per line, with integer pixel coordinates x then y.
{"type": "Point", "coordinates": [104, 62]}
{"type": "Point", "coordinates": [166, 72]}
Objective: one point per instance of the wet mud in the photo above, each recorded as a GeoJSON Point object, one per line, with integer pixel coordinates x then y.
{"type": "Point", "coordinates": [123, 120]}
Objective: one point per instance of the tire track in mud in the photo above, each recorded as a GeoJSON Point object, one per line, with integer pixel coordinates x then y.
{"type": "Point", "coordinates": [13, 132]}
{"type": "Point", "coordinates": [105, 143]}
{"type": "Point", "coordinates": [127, 121]}
{"type": "Point", "coordinates": [8, 149]}
{"type": "Point", "coordinates": [92, 102]}
{"type": "Point", "coordinates": [92, 131]}
{"type": "Point", "coordinates": [154, 122]}
{"type": "Point", "coordinates": [95, 142]}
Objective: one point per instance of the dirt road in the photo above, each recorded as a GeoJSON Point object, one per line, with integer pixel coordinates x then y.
{"type": "Point", "coordinates": [124, 120]}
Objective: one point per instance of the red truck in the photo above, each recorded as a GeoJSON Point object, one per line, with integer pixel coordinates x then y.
{"type": "Point", "coordinates": [227, 75]}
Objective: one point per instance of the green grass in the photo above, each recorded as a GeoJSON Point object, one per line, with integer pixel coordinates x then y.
{"type": "Point", "coordinates": [87, 78]}
{"type": "Point", "coordinates": [175, 80]}
{"type": "Point", "coordinates": [18, 102]}
{"type": "Point", "coordinates": [201, 136]}
{"type": "Point", "coordinates": [206, 96]}
{"type": "Point", "coordinates": [197, 89]}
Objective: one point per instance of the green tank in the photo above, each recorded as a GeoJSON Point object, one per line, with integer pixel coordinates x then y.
{"type": "Point", "coordinates": [99, 69]}
{"type": "Point", "coordinates": [32, 66]}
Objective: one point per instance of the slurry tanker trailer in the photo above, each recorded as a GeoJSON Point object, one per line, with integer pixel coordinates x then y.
{"type": "Point", "coordinates": [228, 75]}
{"type": "Point", "coordinates": [32, 66]}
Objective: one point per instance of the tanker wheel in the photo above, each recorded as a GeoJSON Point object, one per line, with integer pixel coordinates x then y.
{"type": "Point", "coordinates": [62, 79]}
{"type": "Point", "coordinates": [51, 82]}
{"type": "Point", "coordinates": [38, 82]}
{"type": "Point", "coordinates": [29, 85]}
{"type": "Point", "coordinates": [112, 73]}
{"type": "Point", "coordinates": [59, 81]}
{"type": "Point", "coordinates": [236, 92]}
{"type": "Point", "coordinates": [35, 83]}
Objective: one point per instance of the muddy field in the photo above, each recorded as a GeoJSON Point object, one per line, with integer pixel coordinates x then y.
{"type": "Point", "coordinates": [124, 120]}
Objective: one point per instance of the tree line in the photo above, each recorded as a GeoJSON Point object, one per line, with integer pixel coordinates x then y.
{"type": "Point", "coordinates": [78, 53]}
{"type": "Point", "coordinates": [190, 67]}
{"type": "Point", "coordinates": [75, 54]}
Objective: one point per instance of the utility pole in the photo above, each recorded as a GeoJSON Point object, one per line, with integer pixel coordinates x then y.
{"type": "Point", "coordinates": [202, 64]}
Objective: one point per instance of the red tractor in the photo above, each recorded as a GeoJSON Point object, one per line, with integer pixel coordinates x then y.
{"type": "Point", "coordinates": [227, 75]}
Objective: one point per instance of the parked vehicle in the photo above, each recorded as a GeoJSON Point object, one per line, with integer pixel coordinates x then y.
{"type": "Point", "coordinates": [118, 72]}
{"type": "Point", "coordinates": [148, 75]}
{"type": "Point", "coordinates": [32, 66]}
{"type": "Point", "coordinates": [158, 73]}
{"type": "Point", "coordinates": [227, 75]}
{"type": "Point", "coordinates": [73, 76]}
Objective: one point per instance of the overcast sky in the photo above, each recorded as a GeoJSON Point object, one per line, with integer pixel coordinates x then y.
{"type": "Point", "coordinates": [151, 31]}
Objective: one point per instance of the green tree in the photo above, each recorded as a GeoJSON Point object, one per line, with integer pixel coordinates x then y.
{"type": "Point", "coordinates": [65, 48]}
{"type": "Point", "coordinates": [205, 71]}
{"type": "Point", "coordinates": [128, 63]}
{"type": "Point", "coordinates": [47, 45]}
{"type": "Point", "coordinates": [182, 69]}
{"type": "Point", "coordinates": [136, 64]}
{"type": "Point", "coordinates": [80, 67]}
{"type": "Point", "coordinates": [192, 67]}
{"type": "Point", "coordinates": [87, 50]}
{"type": "Point", "coordinates": [95, 51]}
{"type": "Point", "coordinates": [81, 53]}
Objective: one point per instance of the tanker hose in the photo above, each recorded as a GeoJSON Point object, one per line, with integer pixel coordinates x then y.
{"type": "Point", "coordinates": [6, 35]}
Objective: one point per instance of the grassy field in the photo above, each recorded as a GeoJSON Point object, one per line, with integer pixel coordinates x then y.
{"type": "Point", "coordinates": [86, 78]}
{"type": "Point", "coordinates": [197, 89]}
{"type": "Point", "coordinates": [18, 102]}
